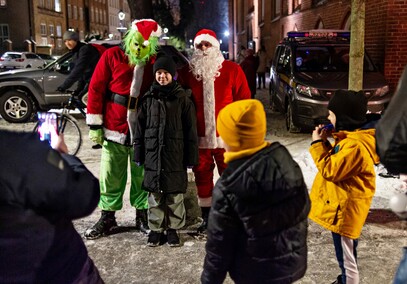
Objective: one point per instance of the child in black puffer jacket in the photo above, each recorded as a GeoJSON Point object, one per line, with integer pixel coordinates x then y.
{"type": "Point", "coordinates": [257, 228]}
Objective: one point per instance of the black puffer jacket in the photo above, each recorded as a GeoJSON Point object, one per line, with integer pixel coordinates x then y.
{"type": "Point", "coordinates": [257, 229]}
{"type": "Point", "coordinates": [41, 193]}
{"type": "Point", "coordinates": [166, 140]}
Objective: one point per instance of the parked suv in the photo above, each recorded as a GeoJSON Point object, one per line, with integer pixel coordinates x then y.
{"type": "Point", "coordinates": [308, 67]}
{"type": "Point", "coordinates": [13, 60]}
{"type": "Point", "coordinates": [24, 92]}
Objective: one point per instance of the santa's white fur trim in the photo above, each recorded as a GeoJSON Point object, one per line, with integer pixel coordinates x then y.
{"type": "Point", "coordinates": [208, 38]}
{"type": "Point", "coordinates": [94, 119]}
{"type": "Point", "coordinates": [205, 202]}
{"type": "Point", "coordinates": [138, 74]}
{"type": "Point", "coordinates": [115, 136]}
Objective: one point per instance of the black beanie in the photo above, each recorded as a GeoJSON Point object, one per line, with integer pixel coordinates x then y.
{"type": "Point", "coordinates": [350, 109]}
{"type": "Point", "coordinates": [165, 62]}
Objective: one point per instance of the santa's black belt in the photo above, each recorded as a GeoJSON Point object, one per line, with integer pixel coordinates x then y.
{"type": "Point", "coordinates": [118, 99]}
{"type": "Point", "coordinates": [124, 100]}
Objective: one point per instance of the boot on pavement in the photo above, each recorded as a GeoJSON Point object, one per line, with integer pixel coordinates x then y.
{"type": "Point", "coordinates": [102, 227]}
{"type": "Point", "coordinates": [172, 238]}
{"type": "Point", "coordinates": [142, 221]}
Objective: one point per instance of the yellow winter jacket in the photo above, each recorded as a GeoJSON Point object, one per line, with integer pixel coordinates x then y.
{"type": "Point", "coordinates": [345, 183]}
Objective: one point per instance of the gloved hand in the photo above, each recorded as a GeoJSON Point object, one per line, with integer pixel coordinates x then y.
{"type": "Point", "coordinates": [62, 90]}
{"type": "Point", "coordinates": [96, 136]}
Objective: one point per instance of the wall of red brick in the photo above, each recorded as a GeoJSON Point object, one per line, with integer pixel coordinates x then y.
{"type": "Point", "coordinates": [385, 29]}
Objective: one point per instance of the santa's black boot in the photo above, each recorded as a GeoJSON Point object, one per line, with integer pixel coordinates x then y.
{"type": "Point", "coordinates": [102, 227]}
{"type": "Point", "coordinates": [205, 215]}
{"type": "Point", "coordinates": [142, 221]}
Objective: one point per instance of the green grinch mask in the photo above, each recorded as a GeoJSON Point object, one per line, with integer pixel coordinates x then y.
{"type": "Point", "coordinates": [138, 49]}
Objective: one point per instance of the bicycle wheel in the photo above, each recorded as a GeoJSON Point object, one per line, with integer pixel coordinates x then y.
{"type": "Point", "coordinates": [72, 134]}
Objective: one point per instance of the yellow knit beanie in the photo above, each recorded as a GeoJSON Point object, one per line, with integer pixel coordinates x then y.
{"type": "Point", "coordinates": [242, 124]}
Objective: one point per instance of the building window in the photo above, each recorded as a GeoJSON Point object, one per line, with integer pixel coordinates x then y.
{"type": "Point", "coordinates": [41, 4]}
{"type": "Point", "coordinates": [51, 30]}
{"type": "Point", "coordinates": [59, 31]}
{"type": "Point", "coordinates": [81, 13]}
{"type": "Point", "coordinates": [69, 11]}
{"type": "Point", "coordinates": [59, 43]}
{"type": "Point", "coordinates": [296, 6]}
{"type": "Point", "coordinates": [49, 4]}
{"type": "Point", "coordinates": [75, 12]}
{"type": "Point", "coordinates": [44, 41]}
{"type": "Point", "coordinates": [276, 8]}
{"type": "Point", "coordinates": [43, 29]}
{"type": "Point", "coordinates": [3, 3]}
{"type": "Point", "coordinates": [57, 5]}
{"type": "Point", "coordinates": [3, 33]}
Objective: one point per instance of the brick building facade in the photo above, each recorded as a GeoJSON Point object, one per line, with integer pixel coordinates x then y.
{"type": "Point", "coordinates": [38, 25]}
{"type": "Point", "coordinates": [256, 22]}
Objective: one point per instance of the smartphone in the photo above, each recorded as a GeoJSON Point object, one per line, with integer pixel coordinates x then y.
{"type": "Point", "coordinates": [48, 127]}
{"type": "Point", "coordinates": [329, 126]}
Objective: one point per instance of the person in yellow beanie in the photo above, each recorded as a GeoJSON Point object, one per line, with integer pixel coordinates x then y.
{"type": "Point", "coordinates": [257, 227]}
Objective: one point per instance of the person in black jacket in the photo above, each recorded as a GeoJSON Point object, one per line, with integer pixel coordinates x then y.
{"type": "Point", "coordinates": [42, 191]}
{"type": "Point", "coordinates": [257, 227]}
{"type": "Point", "coordinates": [391, 146]}
{"type": "Point", "coordinates": [85, 57]}
{"type": "Point", "coordinates": [166, 143]}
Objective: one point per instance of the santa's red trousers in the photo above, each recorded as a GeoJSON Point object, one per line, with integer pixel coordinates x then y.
{"type": "Point", "coordinates": [204, 173]}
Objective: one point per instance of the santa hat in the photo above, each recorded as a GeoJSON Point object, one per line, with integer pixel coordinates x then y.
{"type": "Point", "coordinates": [147, 28]}
{"type": "Point", "coordinates": [206, 35]}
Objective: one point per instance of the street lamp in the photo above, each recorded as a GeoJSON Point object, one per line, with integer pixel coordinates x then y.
{"type": "Point", "coordinates": [165, 37]}
{"type": "Point", "coordinates": [122, 29]}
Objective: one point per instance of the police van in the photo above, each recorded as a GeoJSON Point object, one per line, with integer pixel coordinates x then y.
{"type": "Point", "coordinates": [307, 68]}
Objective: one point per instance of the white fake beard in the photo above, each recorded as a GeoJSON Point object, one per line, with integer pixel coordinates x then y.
{"type": "Point", "coordinates": [206, 64]}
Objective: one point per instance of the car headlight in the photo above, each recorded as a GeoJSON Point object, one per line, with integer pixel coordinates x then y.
{"type": "Point", "coordinates": [382, 91]}
{"type": "Point", "coordinates": [307, 90]}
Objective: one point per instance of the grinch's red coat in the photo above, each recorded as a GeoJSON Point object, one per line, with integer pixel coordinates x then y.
{"type": "Point", "coordinates": [114, 74]}
{"type": "Point", "coordinates": [230, 86]}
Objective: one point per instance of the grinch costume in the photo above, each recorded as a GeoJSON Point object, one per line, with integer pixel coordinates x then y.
{"type": "Point", "coordinates": [121, 75]}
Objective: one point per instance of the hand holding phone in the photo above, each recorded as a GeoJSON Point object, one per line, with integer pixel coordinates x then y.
{"type": "Point", "coordinates": [48, 127]}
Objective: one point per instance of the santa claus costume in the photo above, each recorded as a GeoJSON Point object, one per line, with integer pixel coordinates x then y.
{"type": "Point", "coordinates": [121, 75]}
{"type": "Point", "coordinates": [215, 83]}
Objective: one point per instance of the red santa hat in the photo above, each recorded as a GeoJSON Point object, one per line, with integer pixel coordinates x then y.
{"type": "Point", "coordinates": [206, 35]}
{"type": "Point", "coordinates": [147, 28]}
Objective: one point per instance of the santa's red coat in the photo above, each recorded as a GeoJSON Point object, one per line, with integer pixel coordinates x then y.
{"type": "Point", "coordinates": [113, 73]}
{"type": "Point", "coordinates": [211, 97]}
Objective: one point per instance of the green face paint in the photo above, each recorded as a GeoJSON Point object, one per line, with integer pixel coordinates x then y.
{"type": "Point", "coordinates": [138, 49]}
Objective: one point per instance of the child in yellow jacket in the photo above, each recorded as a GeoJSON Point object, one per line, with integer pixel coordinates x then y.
{"type": "Point", "coordinates": [345, 183]}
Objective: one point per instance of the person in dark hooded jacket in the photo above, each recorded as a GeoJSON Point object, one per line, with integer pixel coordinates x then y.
{"type": "Point", "coordinates": [42, 191]}
{"type": "Point", "coordinates": [257, 227]}
{"type": "Point", "coordinates": [84, 60]}
{"type": "Point", "coordinates": [166, 143]}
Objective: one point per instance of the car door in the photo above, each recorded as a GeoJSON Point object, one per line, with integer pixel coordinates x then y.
{"type": "Point", "coordinates": [282, 75]}
{"type": "Point", "coordinates": [54, 75]}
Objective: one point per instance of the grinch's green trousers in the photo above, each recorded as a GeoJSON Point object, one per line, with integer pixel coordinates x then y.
{"type": "Point", "coordinates": [113, 178]}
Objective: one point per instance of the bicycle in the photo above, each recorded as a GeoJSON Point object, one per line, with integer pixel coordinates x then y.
{"type": "Point", "coordinates": [68, 125]}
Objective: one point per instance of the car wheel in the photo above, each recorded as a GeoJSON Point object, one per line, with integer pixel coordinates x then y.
{"type": "Point", "coordinates": [289, 120]}
{"type": "Point", "coordinates": [16, 107]}
{"type": "Point", "coordinates": [28, 66]}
